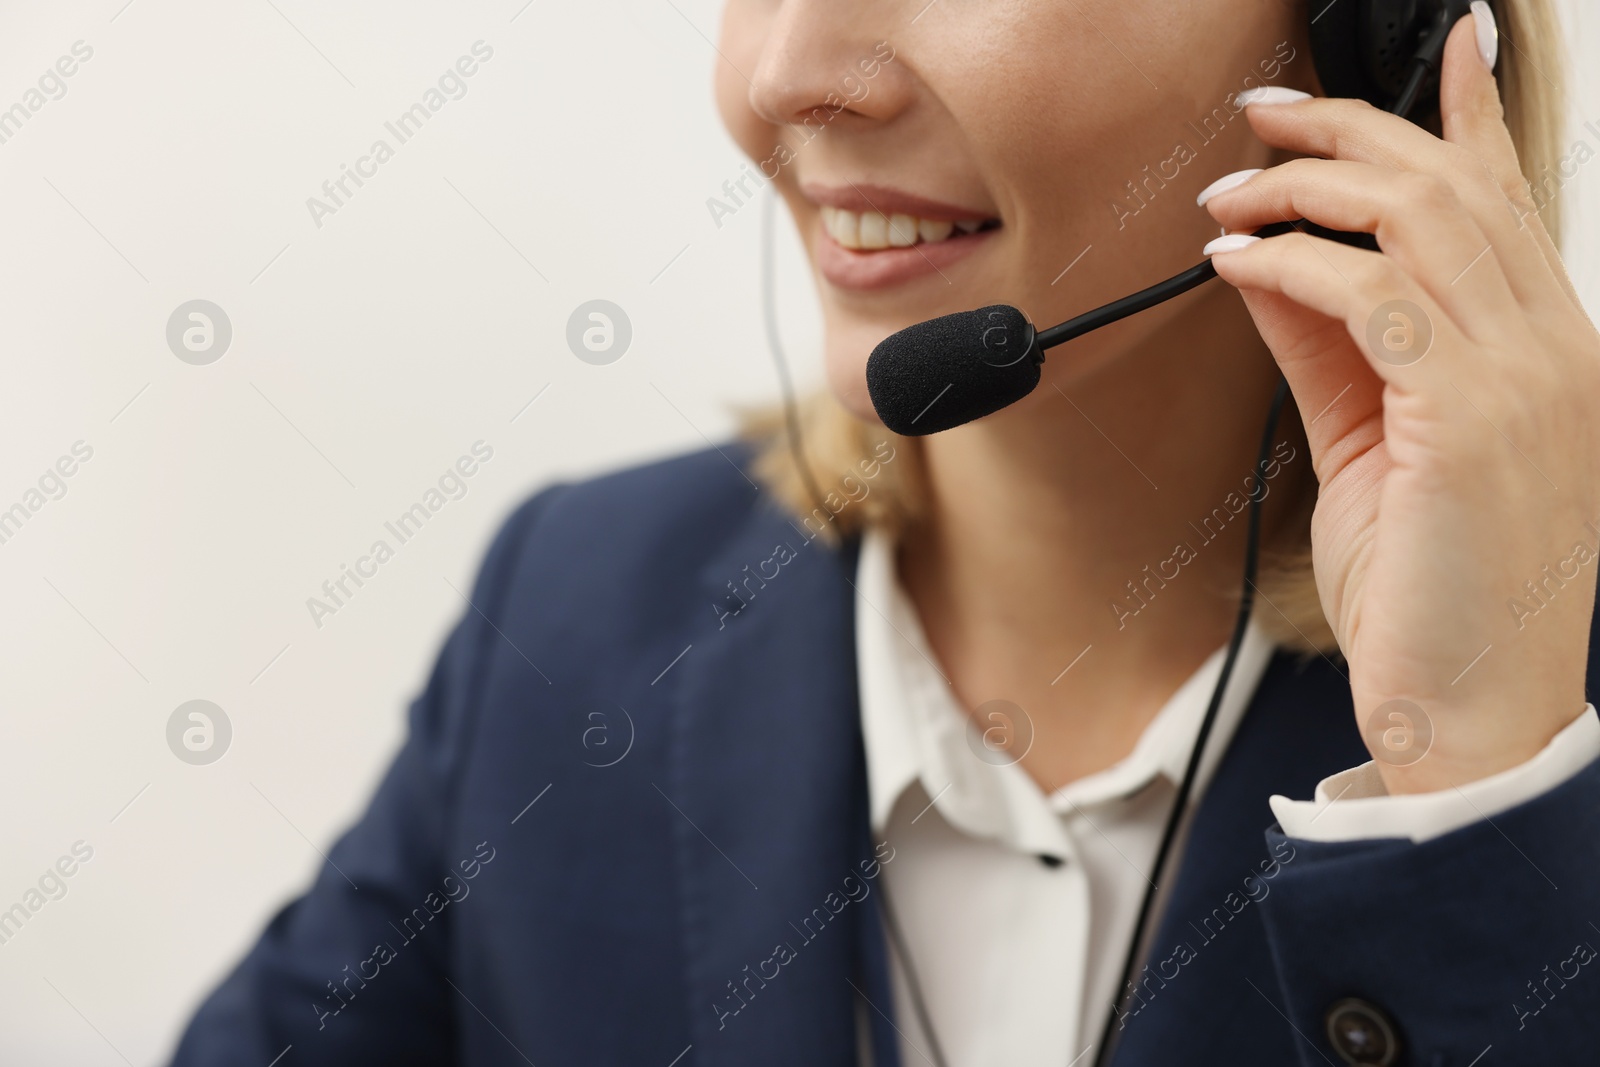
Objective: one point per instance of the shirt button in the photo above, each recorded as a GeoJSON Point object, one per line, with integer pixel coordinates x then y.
{"type": "Point", "coordinates": [1361, 1033]}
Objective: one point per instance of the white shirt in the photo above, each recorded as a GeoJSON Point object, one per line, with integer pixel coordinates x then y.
{"type": "Point", "coordinates": [1018, 960]}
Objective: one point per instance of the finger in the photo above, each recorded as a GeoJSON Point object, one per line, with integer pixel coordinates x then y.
{"type": "Point", "coordinates": [1355, 130]}
{"type": "Point", "coordinates": [1393, 323]}
{"type": "Point", "coordinates": [1474, 118]}
{"type": "Point", "coordinates": [1340, 399]}
{"type": "Point", "coordinates": [1417, 218]}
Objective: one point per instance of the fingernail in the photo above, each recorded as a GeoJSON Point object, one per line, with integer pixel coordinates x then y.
{"type": "Point", "coordinates": [1270, 94]}
{"type": "Point", "coordinates": [1488, 32]}
{"type": "Point", "coordinates": [1229, 242]}
{"type": "Point", "coordinates": [1224, 183]}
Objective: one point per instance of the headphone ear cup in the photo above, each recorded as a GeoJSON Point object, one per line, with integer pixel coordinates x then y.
{"type": "Point", "coordinates": [1390, 34]}
{"type": "Point", "coordinates": [1362, 48]}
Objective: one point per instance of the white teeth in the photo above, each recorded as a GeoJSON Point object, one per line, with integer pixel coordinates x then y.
{"type": "Point", "coordinates": [872, 230]}
{"type": "Point", "coordinates": [842, 226]}
{"type": "Point", "coordinates": [902, 231]}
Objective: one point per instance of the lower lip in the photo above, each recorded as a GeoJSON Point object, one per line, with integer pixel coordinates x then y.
{"type": "Point", "coordinates": [887, 267]}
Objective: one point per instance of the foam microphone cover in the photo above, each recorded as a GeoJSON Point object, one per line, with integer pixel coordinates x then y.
{"type": "Point", "coordinates": [951, 370]}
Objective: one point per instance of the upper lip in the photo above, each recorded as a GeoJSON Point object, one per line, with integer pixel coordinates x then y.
{"type": "Point", "coordinates": [862, 197]}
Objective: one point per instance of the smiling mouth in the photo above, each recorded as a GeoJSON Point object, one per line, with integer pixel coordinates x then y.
{"type": "Point", "coordinates": [868, 231]}
{"type": "Point", "coordinates": [876, 238]}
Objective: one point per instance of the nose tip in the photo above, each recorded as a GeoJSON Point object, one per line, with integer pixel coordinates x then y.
{"type": "Point", "coordinates": [785, 89]}
{"type": "Point", "coordinates": [772, 101]}
{"type": "Point", "coordinates": [816, 65]}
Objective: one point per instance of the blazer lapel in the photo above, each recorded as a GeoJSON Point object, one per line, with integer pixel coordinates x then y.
{"type": "Point", "coordinates": [768, 771]}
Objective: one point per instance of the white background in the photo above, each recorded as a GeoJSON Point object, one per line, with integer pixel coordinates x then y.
{"type": "Point", "coordinates": [368, 354]}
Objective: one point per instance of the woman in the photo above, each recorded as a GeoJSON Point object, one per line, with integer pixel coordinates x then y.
{"type": "Point", "coordinates": [898, 794]}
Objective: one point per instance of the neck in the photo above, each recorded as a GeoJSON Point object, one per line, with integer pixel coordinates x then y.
{"type": "Point", "coordinates": [1106, 514]}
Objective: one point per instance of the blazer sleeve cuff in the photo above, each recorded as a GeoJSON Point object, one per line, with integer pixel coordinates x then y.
{"type": "Point", "coordinates": [1353, 805]}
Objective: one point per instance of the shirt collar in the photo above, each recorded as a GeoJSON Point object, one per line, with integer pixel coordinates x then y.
{"type": "Point", "coordinates": [915, 730]}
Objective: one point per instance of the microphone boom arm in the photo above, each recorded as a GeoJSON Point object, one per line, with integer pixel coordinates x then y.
{"type": "Point", "coordinates": [1163, 291]}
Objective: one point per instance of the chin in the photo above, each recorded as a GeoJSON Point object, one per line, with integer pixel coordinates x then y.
{"type": "Point", "coordinates": [845, 353]}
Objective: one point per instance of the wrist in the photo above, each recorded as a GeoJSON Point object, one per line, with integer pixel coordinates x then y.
{"type": "Point", "coordinates": [1419, 748]}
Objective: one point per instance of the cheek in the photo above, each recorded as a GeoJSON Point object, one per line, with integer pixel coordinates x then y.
{"type": "Point", "coordinates": [746, 128]}
{"type": "Point", "coordinates": [742, 34]}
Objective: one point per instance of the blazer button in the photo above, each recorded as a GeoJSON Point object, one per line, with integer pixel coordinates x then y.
{"type": "Point", "coordinates": [1361, 1033]}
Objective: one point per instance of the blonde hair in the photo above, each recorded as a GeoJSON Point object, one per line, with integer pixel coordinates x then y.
{"type": "Point", "coordinates": [838, 445]}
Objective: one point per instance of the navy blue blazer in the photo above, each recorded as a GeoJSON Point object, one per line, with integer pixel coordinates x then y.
{"type": "Point", "coordinates": [629, 826]}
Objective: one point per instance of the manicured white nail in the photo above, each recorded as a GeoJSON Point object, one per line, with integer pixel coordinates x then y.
{"type": "Point", "coordinates": [1270, 94]}
{"type": "Point", "coordinates": [1229, 242]}
{"type": "Point", "coordinates": [1488, 32]}
{"type": "Point", "coordinates": [1224, 183]}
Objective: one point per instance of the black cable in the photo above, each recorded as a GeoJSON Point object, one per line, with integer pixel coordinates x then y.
{"type": "Point", "coordinates": [769, 316]}
{"type": "Point", "coordinates": [1424, 65]}
{"type": "Point", "coordinates": [919, 1003]}
{"type": "Point", "coordinates": [1180, 805]}
{"type": "Point", "coordinates": [1428, 60]}
{"type": "Point", "coordinates": [1421, 70]}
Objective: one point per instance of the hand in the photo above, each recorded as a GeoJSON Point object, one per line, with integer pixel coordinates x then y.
{"type": "Point", "coordinates": [1449, 481]}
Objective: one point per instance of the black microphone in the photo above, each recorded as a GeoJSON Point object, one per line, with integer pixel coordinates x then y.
{"type": "Point", "coordinates": [949, 371]}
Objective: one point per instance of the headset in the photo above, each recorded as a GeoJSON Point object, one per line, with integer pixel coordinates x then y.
{"type": "Point", "coordinates": [964, 366]}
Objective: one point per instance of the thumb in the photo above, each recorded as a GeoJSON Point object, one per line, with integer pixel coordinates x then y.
{"type": "Point", "coordinates": [1473, 117]}
{"type": "Point", "coordinates": [1469, 96]}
